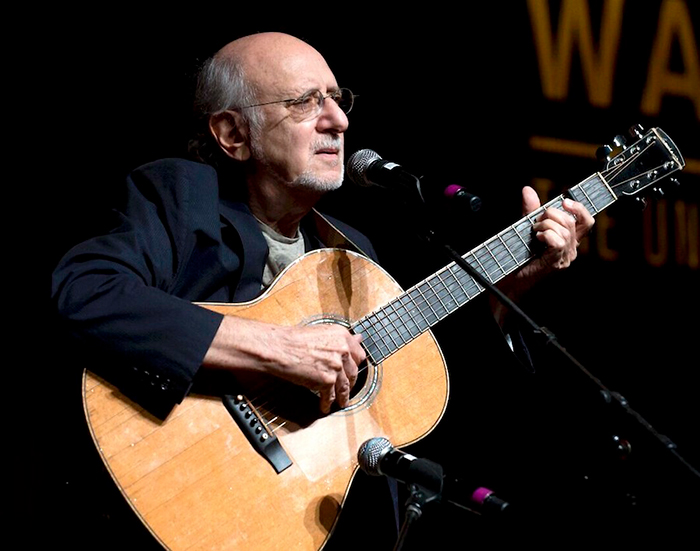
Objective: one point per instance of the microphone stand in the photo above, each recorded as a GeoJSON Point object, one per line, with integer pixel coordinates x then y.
{"type": "Point", "coordinates": [609, 397]}
{"type": "Point", "coordinates": [420, 495]}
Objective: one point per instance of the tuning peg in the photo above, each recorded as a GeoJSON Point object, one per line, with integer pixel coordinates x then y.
{"type": "Point", "coordinates": [669, 186]}
{"type": "Point", "coordinates": [603, 153]}
{"type": "Point", "coordinates": [641, 202]}
{"type": "Point", "coordinates": [620, 141]}
{"type": "Point", "coordinates": [636, 132]}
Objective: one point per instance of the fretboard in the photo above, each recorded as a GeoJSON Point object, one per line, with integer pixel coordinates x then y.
{"type": "Point", "coordinates": [415, 311]}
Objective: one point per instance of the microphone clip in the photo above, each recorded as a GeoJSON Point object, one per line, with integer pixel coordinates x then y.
{"type": "Point", "coordinates": [425, 487]}
{"type": "Point", "coordinates": [427, 477]}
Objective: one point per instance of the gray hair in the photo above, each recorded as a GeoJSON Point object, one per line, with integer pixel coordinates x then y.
{"type": "Point", "coordinates": [221, 85]}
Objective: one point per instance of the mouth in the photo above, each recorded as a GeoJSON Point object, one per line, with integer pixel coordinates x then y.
{"type": "Point", "coordinates": [329, 147]}
{"type": "Point", "coordinates": [329, 156]}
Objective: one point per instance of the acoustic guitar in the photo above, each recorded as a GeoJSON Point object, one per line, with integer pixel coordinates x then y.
{"type": "Point", "coordinates": [256, 466]}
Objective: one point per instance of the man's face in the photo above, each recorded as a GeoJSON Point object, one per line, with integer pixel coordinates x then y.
{"type": "Point", "coordinates": [294, 150]}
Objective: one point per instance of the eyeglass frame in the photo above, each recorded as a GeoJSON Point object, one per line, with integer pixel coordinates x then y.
{"type": "Point", "coordinates": [291, 101]}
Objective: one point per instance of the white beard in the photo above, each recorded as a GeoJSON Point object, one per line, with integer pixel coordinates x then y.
{"type": "Point", "coordinates": [307, 180]}
{"type": "Point", "coordinates": [315, 183]}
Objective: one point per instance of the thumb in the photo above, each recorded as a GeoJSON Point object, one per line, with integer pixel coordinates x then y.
{"type": "Point", "coordinates": [531, 201]}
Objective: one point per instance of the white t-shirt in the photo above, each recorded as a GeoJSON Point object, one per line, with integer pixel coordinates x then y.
{"type": "Point", "coordinates": [283, 251]}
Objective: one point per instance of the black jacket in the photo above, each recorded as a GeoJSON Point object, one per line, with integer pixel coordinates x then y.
{"type": "Point", "coordinates": [128, 295]}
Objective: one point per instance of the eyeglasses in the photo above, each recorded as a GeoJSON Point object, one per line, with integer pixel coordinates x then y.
{"type": "Point", "coordinates": [310, 104]}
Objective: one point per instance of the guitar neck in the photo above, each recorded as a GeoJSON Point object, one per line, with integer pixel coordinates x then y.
{"type": "Point", "coordinates": [636, 168]}
{"type": "Point", "coordinates": [412, 313]}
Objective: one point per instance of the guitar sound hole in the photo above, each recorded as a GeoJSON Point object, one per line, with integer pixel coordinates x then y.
{"type": "Point", "coordinates": [362, 376]}
{"type": "Point", "coordinates": [367, 374]}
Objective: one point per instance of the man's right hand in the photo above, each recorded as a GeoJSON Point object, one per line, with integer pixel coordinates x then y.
{"type": "Point", "coordinates": [323, 357]}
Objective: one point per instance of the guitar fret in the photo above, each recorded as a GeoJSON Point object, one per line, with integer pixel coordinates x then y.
{"type": "Point", "coordinates": [369, 339]}
{"type": "Point", "coordinates": [370, 346]}
{"type": "Point", "coordinates": [509, 251]}
{"type": "Point", "coordinates": [502, 254]}
{"type": "Point", "coordinates": [384, 332]}
{"type": "Point", "coordinates": [455, 287]}
{"type": "Point", "coordinates": [519, 235]}
{"type": "Point", "coordinates": [483, 270]}
{"type": "Point", "coordinates": [486, 261]}
{"type": "Point", "coordinates": [593, 191]}
{"type": "Point", "coordinates": [393, 333]}
{"type": "Point", "coordinates": [438, 306]}
{"type": "Point", "coordinates": [394, 320]}
{"type": "Point", "coordinates": [410, 323]}
{"type": "Point", "coordinates": [372, 355]}
{"type": "Point", "coordinates": [380, 341]}
{"type": "Point", "coordinates": [532, 217]}
{"type": "Point", "coordinates": [453, 303]}
{"type": "Point", "coordinates": [376, 338]}
{"type": "Point", "coordinates": [586, 199]}
{"type": "Point", "coordinates": [471, 284]}
{"type": "Point", "coordinates": [428, 313]}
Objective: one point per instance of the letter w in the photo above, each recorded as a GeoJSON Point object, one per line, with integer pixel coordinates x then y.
{"type": "Point", "coordinates": [554, 55]}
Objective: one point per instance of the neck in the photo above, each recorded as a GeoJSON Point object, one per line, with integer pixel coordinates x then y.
{"type": "Point", "coordinates": [280, 207]}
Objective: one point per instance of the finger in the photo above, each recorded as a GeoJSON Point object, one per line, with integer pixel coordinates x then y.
{"type": "Point", "coordinates": [555, 237]}
{"type": "Point", "coordinates": [327, 397]}
{"type": "Point", "coordinates": [531, 201]}
{"type": "Point", "coordinates": [584, 219]}
{"type": "Point", "coordinates": [562, 217]}
{"type": "Point", "coordinates": [555, 230]}
{"type": "Point", "coordinates": [342, 387]}
{"type": "Point", "coordinates": [357, 351]}
{"type": "Point", "coordinates": [558, 239]}
{"type": "Point", "coordinates": [350, 369]}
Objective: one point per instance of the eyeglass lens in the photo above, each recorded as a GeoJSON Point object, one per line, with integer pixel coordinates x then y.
{"type": "Point", "coordinates": [312, 103]}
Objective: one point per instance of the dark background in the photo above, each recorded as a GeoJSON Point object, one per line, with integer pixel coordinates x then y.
{"type": "Point", "coordinates": [450, 94]}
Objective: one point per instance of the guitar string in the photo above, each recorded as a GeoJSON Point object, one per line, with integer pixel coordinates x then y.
{"type": "Point", "coordinates": [593, 193]}
{"type": "Point", "coordinates": [616, 169]}
{"type": "Point", "coordinates": [596, 196]}
{"type": "Point", "coordinates": [420, 299]}
{"type": "Point", "coordinates": [388, 327]}
{"type": "Point", "coordinates": [495, 254]}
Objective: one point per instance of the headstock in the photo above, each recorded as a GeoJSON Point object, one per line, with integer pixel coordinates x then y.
{"type": "Point", "coordinates": [632, 170]}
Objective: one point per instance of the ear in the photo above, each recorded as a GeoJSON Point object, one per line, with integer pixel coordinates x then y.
{"type": "Point", "coordinates": [231, 133]}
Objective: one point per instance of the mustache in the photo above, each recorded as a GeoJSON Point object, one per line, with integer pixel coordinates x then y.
{"type": "Point", "coordinates": [328, 142]}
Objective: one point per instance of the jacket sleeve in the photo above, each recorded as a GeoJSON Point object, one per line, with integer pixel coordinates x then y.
{"type": "Point", "coordinates": [112, 295]}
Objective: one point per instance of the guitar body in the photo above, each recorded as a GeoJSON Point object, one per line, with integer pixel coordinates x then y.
{"type": "Point", "coordinates": [195, 480]}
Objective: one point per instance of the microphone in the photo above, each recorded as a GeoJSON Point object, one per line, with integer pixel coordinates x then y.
{"type": "Point", "coordinates": [366, 168]}
{"type": "Point", "coordinates": [378, 457]}
{"type": "Point", "coordinates": [458, 193]}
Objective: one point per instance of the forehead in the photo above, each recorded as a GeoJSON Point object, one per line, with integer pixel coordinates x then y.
{"type": "Point", "coordinates": [288, 67]}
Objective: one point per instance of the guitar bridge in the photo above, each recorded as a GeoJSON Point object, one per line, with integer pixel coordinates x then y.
{"type": "Point", "coordinates": [252, 425]}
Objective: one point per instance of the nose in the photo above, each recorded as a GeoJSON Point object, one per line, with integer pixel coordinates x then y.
{"type": "Point", "coordinates": [332, 117]}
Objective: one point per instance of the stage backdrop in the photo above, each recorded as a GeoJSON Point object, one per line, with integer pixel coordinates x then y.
{"type": "Point", "coordinates": [488, 97]}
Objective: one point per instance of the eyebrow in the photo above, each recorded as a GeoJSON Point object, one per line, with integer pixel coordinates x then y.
{"type": "Point", "coordinates": [317, 89]}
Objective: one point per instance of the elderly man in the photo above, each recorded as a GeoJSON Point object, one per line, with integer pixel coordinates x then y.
{"type": "Point", "coordinates": [274, 120]}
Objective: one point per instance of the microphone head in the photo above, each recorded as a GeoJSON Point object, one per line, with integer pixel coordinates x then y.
{"type": "Point", "coordinates": [358, 164]}
{"type": "Point", "coordinates": [371, 453]}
